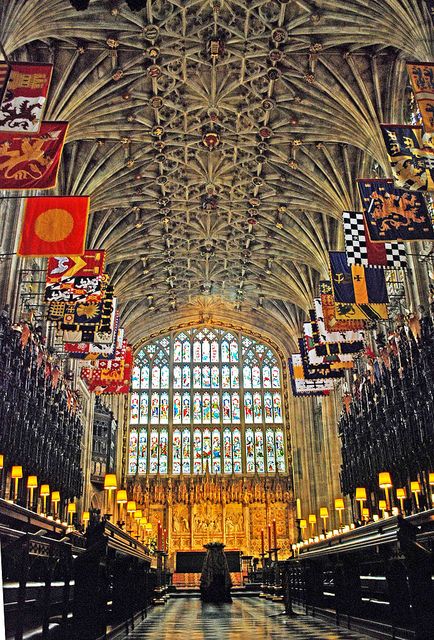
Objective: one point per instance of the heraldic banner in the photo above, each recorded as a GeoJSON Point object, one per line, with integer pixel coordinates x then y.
{"type": "Point", "coordinates": [25, 96]}
{"type": "Point", "coordinates": [32, 161]}
{"type": "Point", "coordinates": [411, 156]}
{"type": "Point", "coordinates": [393, 214]}
{"type": "Point", "coordinates": [422, 80]}
{"type": "Point", "coordinates": [54, 226]}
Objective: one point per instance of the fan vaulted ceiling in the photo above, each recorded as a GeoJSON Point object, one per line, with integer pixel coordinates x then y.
{"type": "Point", "coordinates": [219, 140]}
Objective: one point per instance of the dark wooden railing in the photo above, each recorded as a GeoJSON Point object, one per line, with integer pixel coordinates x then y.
{"type": "Point", "coordinates": [377, 578]}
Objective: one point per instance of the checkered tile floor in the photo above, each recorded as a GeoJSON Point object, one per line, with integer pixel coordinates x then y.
{"type": "Point", "coordinates": [246, 618]}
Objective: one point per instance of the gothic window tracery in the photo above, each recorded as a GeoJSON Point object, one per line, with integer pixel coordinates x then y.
{"type": "Point", "coordinates": [206, 401]}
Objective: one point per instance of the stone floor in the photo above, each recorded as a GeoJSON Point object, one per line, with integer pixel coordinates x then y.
{"type": "Point", "coordinates": [245, 619]}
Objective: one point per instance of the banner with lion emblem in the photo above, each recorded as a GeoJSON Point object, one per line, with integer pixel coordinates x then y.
{"type": "Point", "coordinates": [411, 156]}
{"type": "Point", "coordinates": [393, 214]}
{"type": "Point", "coordinates": [422, 80]}
{"type": "Point", "coordinates": [32, 161]}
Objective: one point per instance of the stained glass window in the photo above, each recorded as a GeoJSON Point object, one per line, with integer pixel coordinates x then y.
{"type": "Point", "coordinates": [176, 451]}
{"type": "Point", "coordinates": [227, 424]}
{"type": "Point", "coordinates": [132, 452]}
{"type": "Point", "coordinates": [143, 451]}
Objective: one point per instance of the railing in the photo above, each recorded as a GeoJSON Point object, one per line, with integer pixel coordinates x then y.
{"type": "Point", "coordinates": [377, 578]}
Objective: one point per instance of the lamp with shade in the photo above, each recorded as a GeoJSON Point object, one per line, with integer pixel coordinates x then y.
{"type": "Point", "coordinates": [121, 499]}
{"type": "Point", "coordinates": [312, 522]}
{"type": "Point", "coordinates": [32, 484]}
{"type": "Point", "coordinates": [401, 494]}
{"type": "Point", "coordinates": [55, 499]}
{"type": "Point", "coordinates": [339, 507]}
{"type": "Point", "coordinates": [385, 482]}
{"type": "Point", "coordinates": [361, 498]}
{"type": "Point", "coordinates": [16, 475]}
{"type": "Point", "coordinates": [44, 492]}
{"type": "Point", "coordinates": [72, 508]}
{"type": "Point", "coordinates": [110, 485]}
{"type": "Point", "coordinates": [416, 489]}
{"type": "Point", "coordinates": [324, 514]}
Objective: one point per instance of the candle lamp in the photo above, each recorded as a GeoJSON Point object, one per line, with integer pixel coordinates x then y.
{"type": "Point", "coordinates": [55, 499]}
{"type": "Point", "coordinates": [72, 508]}
{"type": "Point", "coordinates": [110, 485]}
{"type": "Point", "coordinates": [86, 518]}
{"type": "Point", "coordinates": [303, 527]}
{"type": "Point", "coordinates": [121, 499]}
{"type": "Point", "coordinates": [269, 538]}
{"type": "Point", "coordinates": [32, 484]}
{"type": "Point", "coordinates": [385, 482]}
{"type": "Point", "coordinates": [298, 504]}
{"type": "Point", "coordinates": [16, 475]}
{"type": "Point", "coordinates": [274, 534]}
{"type": "Point", "coordinates": [401, 494]}
{"type": "Point", "coordinates": [361, 498]}
{"type": "Point", "coordinates": [262, 546]}
{"type": "Point", "coordinates": [339, 507]}
{"type": "Point", "coordinates": [416, 489]}
{"type": "Point", "coordinates": [365, 514]}
{"type": "Point", "coordinates": [131, 507]}
{"type": "Point", "coordinates": [44, 492]}
{"type": "Point", "coordinates": [324, 514]}
{"type": "Point", "coordinates": [312, 522]}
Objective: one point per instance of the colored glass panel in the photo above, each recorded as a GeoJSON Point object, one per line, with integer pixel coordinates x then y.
{"type": "Point", "coordinates": [153, 452]}
{"type": "Point", "coordinates": [234, 351]}
{"type": "Point", "coordinates": [155, 377]}
{"type": "Point", "coordinates": [177, 351]}
{"type": "Point", "coordinates": [186, 451]}
{"type": "Point", "coordinates": [164, 450]}
{"type": "Point", "coordinates": [176, 452]}
{"type": "Point", "coordinates": [206, 452]}
{"type": "Point", "coordinates": [197, 351]}
{"type": "Point", "coordinates": [247, 377]}
{"type": "Point", "coordinates": [236, 413]}
{"type": "Point", "coordinates": [177, 410]}
{"type": "Point", "coordinates": [275, 376]}
{"type": "Point", "coordinates": [186, 412]}
{"type": "Point", "coordinates": [235, 377]}
{"type": "Point", "coordinates": [143, 451]}
{"type": "Point", "coordinates": [280, 451]}
{"type": "Point", "coordinates": [268, 407]}
{"type": "Point", "coordinates": [214, 351]}
{"type": "Point", "coordinates": [144, 377]}
{"type": "Point", "coordinates": [196, 378]}
{"type": "Point", "coordinates": [206, 351]}
{"type": "Point", "coordinates": [164, 408]}
{"type": "Point", "coordinates": [186, 377]}
{"type": "Point", "coordinates": [215, 377]}
{"type": "Point", "coordinates": [216, 452]}
{"type": "Point", "coordinates": [134, 408]}
{"type": "Point", "coordinates": [132, 452]}
{"type": "Point", "coordinates": [197, 408]}
{"type": "Point", "coordinates": [186, 351]}
{"type": "Point", "coordinates": [206, 408]}
{"type": "Point", "coordinates": [236, 451]}
{"type": "Point", "coordinates": [225, 351]}
{"type": "Point", "coordinates": [155, 408]}
{"type": "Point", "coordinates": [226, 378]}
{"type": "Point", "coordinates": [215, 408]}
{"type": "Point", "coordinates": [271, 457]}
{"type": "Point", "coordinates": [165, 377]}
{"type": "Point", "coordinates": [197, 452]}
{"type": "Point", "coordinates": [256, 377]}
{"type": "Point", "coordinates": [177, 377]}
{"type": "Point", "coordinates": [250, 451]}
{"type": "Point", "coordinates": [227, 451]}
{"type": "Point", "coordinates": [277, 405]}
{"type": "Point", "coordinates": [257, 407]}
{"type": "Point", "coordinates": [266, 376]}
{"type": "Point", "coordinates": [259, 452]}
{"type": "Point", "coordinates": [248, 407]}
{"type": "Point", "coordinates": [206, 377]}
{"type": "Point", "coordinates": [135, 378]}
{"type": "Point", "coordinates": [144, 408]}
{"type": "Point", "coordinates": [226, 408]}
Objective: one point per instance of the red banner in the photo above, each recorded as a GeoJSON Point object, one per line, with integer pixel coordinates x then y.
{"type": "Point", "coordinates": [32, 161]}
{"type": "Point", "coordinates": [115, 377]}
{"type": "Point", "coordinates": [91, 263]}
{"type": "Point", "coordinates": [23, 104]}
{"type": "Point", "coordinates": [54, 226]}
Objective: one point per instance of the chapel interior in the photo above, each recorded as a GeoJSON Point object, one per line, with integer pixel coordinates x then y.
{"type": "Point", "coordinates": [216, 319]}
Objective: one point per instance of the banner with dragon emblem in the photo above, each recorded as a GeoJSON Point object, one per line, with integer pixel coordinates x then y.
{"type": "Point", "coordinates": [411, 156]}
{"type": "Point", "coordinates": [393, 214]}
{"type": "Point", "coordinates": [25, 96]}
{"type": "Point", "coordinates": [422, 80]}
{"type": "Point", "coordinates": [32, 161]}
{"type": "Point", "coordinates": [328, 306]}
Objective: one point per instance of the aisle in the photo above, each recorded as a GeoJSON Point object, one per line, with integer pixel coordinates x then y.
{"type": "Point", "coordinates": [245, 619]}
